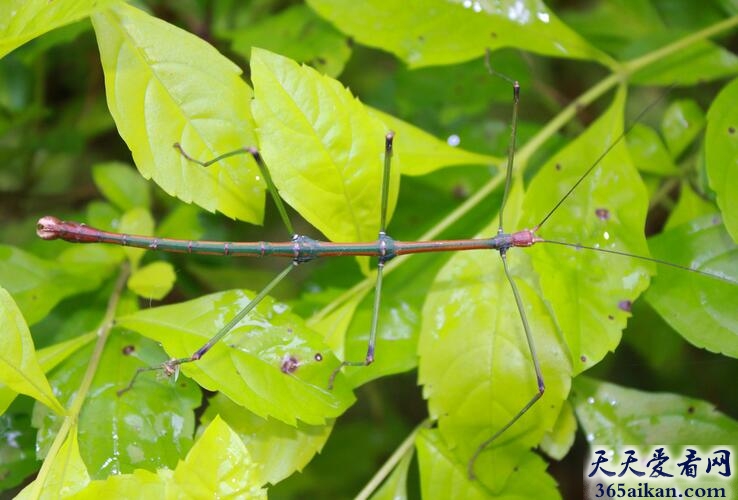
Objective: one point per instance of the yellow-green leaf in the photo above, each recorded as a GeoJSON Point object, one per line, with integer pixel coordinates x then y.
{"type": "Point", "coordinates": [24, 20]}
{"type": "Point", "coordinates": [164, 86]}
{"type": "Point", "coordinates": [217, 466]}
{"type": "Point", "coordinates": [153, 281]}
{"type": "Point", "coordinates": [323, 148]}
{"type": "Point", "coordinates": [65, 476]}
{"type": "Point", "coordinates": [721, 154]}
{"type": "Point", "coordinates": [19, 366]}
{"type": "Point", "coordinates": [48, 358]}
{"type": "Point", "coordinates": [430, 32]}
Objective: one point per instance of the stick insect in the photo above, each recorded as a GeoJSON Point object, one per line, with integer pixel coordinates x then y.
{"type": "Point", "coordinates": [301, 249]}
{"type": "Point", "coordinates": [470, 296]}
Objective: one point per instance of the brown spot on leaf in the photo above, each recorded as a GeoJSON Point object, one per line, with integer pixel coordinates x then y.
{"type": "Point", "coordinates": [625, 305]}
{"type": "Point", "coordinates": [602, 213]}
{"type": "Point", "coordinates": [289, 364]}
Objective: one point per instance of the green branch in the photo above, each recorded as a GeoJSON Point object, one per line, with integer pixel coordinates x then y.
{"type": "Point", "coordinates": [72, 416]}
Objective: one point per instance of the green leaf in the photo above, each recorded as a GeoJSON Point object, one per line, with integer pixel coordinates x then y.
{"type": "Point", "coordinates": [426, 33]}
{"type": "Point", "coordinates": [217, 466]}
{"type": "Point", "coordinates": [149, 427]}
{"type": "Point", "coordinates": [422, 153]}
{"type": "Point", "coordinates": [37, 285]}
{"type": "Point", "coordinates": [48, 358]}
{"type": "Point", "coordinates": [24, 20]}
{"type": "Point", "coordinates": [721, 154]}
{"type": "Point", "coordinates": [648, 152]}
{"type": "Point", "coordinates": [139, 484]}
{"type": "Point", "coordinates": [298, 33]}
{"type": "Point", "coordinates": [690, 206]}
{"type": "Point", "coordinates": [165, 85]}
{"type": "Point", "coordinates": [251, 365]}
{"type": "Point", "coordinates": [153, 281]}
{"type": "Point", "coordinates": [442, 476]}
{"type": "Point", "coordinates": [19, 366]}
{"type": "Point", "coordinates": [701, 308]}
{"type": "Point", "coordinates": [682, 122]}
{"type": "Point", "coordinates": [616, 416]}
{"type": "Point", "coordinates": [327, 165]}
{"type": "Point", "coordinates": [121, 185]}
{"type": "Point", "coordinates": [590, 291]}
{"type": "Point", "coordinates": [281, 449]}
{"type": "Point", "coordinates": [66, 475]}
{"type": "Point", "coordinates": [557, 443]}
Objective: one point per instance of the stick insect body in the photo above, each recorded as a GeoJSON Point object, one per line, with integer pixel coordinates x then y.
{"type": "Point", "coordinates": [301, 249]}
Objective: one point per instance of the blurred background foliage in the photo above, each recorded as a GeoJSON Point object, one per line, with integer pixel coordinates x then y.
{"type": "Point", "coordinates": [55, 128]}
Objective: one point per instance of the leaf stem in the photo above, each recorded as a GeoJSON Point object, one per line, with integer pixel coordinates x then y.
{"type": "Point", "coordinates": [72, 416]}
{"type": "Point", "coordinates": [635, 65]}
{"type": "Point", "coordinates": [405, 447]}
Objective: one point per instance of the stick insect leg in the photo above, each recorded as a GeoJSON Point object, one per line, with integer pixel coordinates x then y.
{"type": "Point", "coordinates": [518, 301]}
{"type": "Point", "coordinates": [536, 367]}
{"type": "Point", "coordinates": [385, 245]}
{"type": "Point", "coordinates": [513, 133]}
{"type": "Point", "coordinates": [264, 173]}
{"type": "Point", "coordinates": [172, 365]}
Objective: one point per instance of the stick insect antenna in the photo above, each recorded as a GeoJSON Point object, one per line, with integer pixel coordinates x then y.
{"type": "Point", "coordinates": [602, 155]}
{"type": "Point", "coordinates": [386, 244]}
{"type": "Point", "coordinates": [644, 258]}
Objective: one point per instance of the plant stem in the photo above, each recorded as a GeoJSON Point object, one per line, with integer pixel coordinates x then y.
{"type": "Point", "coordinates": [635, 65]}
{"type": "Point", "coordinates": [72, 416]}
{"type": "Point", "coordinates": [404, 448]}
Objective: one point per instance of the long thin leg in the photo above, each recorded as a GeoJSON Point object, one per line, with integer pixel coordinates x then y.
{"type": "Point", "coordinates": [513, 133]}
{"type": "Point", "coordinates": [264, 173]}
{"type": "Point", "coordinates": [511, 149]}
{"type": "Point", "coordinates": [536, 366]}
{"type": "Point", "coordinates": [383, 240]}
{"type": "Point", "coordinates": [172, 365]}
